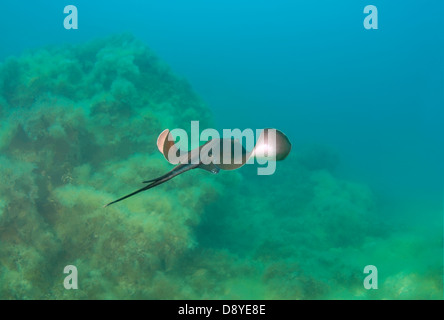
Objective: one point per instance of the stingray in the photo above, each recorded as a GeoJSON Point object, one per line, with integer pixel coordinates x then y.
{"type": "Point", "coordinates": [216, 154]}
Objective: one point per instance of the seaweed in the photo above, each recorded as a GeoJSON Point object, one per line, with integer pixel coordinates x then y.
{"type": "Point", "coordinates": [78, 126]}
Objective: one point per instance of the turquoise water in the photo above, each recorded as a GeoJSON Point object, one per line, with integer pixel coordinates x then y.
{"type": "Point", "coordinates": [80, 112]}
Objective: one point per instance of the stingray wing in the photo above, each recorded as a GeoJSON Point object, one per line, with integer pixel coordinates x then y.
{"type": "Point", "coordinates": [272, 144]}
{"type": "Point", "coordinates": [167, 147]}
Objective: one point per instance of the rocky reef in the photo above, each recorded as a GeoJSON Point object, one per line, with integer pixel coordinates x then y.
{"type": "Point", "coordinates": [78, 126]}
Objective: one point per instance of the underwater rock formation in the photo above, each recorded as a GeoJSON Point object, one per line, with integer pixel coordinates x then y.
{"type": "Point", "coordinates": [76, 123]}
{"type": "Point", "coordinates": [77, 129]}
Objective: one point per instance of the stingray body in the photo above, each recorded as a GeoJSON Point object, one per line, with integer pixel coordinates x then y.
{"type": "Point", "coordinates": [216, 154]}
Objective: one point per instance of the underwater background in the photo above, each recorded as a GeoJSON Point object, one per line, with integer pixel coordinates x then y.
{"type": "Point", "coordinates": [80, 112]}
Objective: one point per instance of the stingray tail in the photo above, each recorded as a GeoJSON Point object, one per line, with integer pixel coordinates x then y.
{"type": "Point", "coordinates": [159, 178]}
{"type": "Point", "coordinates": [155, 182]}
{"type": "Point", "coordinates": [151, 185]}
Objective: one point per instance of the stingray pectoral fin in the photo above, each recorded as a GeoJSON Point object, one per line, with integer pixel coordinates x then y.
{"type": "Point", "coordinates": [161, 139]}
{"type": "Point", "coordinates": [167, 146]}
{"type": "Point", "coordinates": [272, 144]}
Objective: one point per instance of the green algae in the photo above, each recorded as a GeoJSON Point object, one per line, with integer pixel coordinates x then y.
{"type": "Point", "coordinates": [78, 126]}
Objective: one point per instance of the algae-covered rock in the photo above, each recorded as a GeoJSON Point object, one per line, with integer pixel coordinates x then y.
{"type": "Point", "coordinates": [78, 126]}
